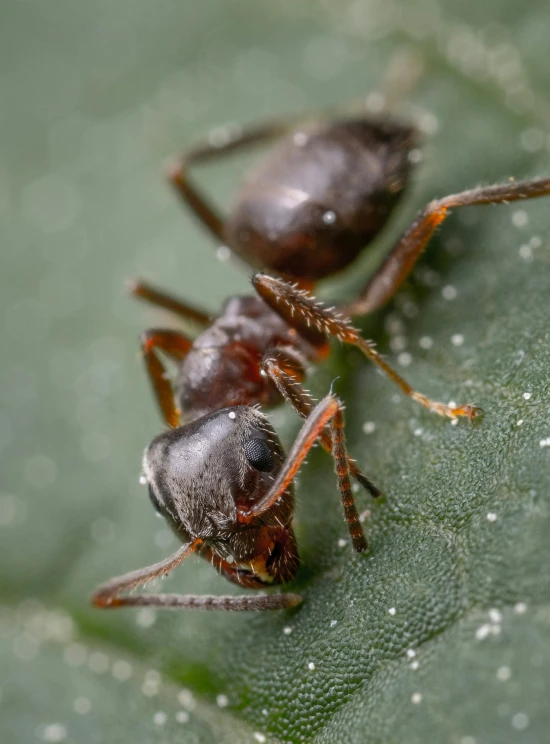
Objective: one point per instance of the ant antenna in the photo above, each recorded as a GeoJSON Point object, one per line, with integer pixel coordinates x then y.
{"type": "Point", "coordinates": [332, 384]}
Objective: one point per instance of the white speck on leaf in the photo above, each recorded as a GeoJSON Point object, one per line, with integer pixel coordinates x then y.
{"type": "Point", "coordinates": [223, 253]}
{"type": "Point", "coordinates": [82, 705]}
{"type": "Point", "coordinates": [160, 718]}
{"type": "Point", "coordinates": [146, 617]}
{"type": "Point", "coordinates": [504, 673]}
{"type": "Point", "coordinates": [121, 670]}
{"type": "Point", "coordinates": [398, 343]}
{"type": "Point", "coordinates": [525, 252]}
{"type": "Point", "coordinates": [449, 292]}
{"type": "Point", "coordinates": [54, 732]}
{"type": "Point", "coordinates": [520, 218]}
{"type": "Point", "coordinates": [520, 721]}
{"type": "Point", "coordinates": [483, 631]}
{"type": "Point", "coordinates": [186, 699]}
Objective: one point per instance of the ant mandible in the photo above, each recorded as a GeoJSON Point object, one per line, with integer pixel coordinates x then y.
{"type": "Point", "coordinates": [222, 480]}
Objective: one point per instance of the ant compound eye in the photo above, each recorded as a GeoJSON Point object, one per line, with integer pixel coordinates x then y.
{"type": "Point", "coordinates": [259, 455]}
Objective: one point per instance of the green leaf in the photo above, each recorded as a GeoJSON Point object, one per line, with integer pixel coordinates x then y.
{"type": "Point", "coordinates": [441, 632]}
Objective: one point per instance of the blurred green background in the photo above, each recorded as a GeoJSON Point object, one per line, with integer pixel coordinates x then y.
{"type": "Point", "coordinates": [94, 97]}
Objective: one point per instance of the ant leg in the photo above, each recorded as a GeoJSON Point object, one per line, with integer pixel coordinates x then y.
{"type": "Point", "coordinates": [145, 291]}
{"type": "Point", "coordinates": [330, 408]}
{"type": "Point", "coordinates": [396, 267]}
{"type": "Point", "coordinates": [211, 602]}
{"type": "Point", "coordinates": [176, 345]}
{"type": "Point", "coordinates": [108, 594]}
{"type": "Point", "coordinates": [303, 403]}
{"type": "Point", "coordinates": [177, 171]}
{"type": "Point", "coordinates": [300, 309]}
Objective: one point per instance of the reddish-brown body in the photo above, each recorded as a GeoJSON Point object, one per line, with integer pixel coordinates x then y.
{"type": "Point", "coordinates": [222, 370]}
{"type": "Point", "coordinates": [320, 196]}
{"type": "Point", "coordinates": [224, 365]}
{"type": "Point", "coordinates": [194, 484]}
{"type": "Point", "coordinates": [222, 480]}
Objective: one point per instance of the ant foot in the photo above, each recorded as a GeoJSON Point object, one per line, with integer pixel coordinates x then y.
{"type": "Point", "coordinates": [172, 170]}
{"type": "Point", "coordinates": [470, 412]}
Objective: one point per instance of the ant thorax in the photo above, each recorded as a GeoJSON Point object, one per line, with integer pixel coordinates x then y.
{"type": "Point", "coordinates": [223, 367]}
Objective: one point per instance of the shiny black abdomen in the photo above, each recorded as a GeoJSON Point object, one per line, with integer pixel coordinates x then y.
{"type": "Point", "coordinates": [320, 196]}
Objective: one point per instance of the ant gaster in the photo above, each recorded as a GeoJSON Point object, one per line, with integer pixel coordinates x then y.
{"type": "Point", "coordinates": [222, 480]}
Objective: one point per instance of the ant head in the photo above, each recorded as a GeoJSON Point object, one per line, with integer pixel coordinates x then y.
{"type": "Point", "coordinates": [201, 474]}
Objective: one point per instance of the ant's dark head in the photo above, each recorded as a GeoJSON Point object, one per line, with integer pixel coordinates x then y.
{"type": "Point", "coordinates": [201, 473]}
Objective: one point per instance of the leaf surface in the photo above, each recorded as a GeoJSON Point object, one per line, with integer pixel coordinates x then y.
{"type": "Point", "coordinates": [441, 632]}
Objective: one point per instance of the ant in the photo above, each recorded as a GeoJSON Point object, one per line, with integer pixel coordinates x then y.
{"type": "Point", "coordinates": [221, 479]}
